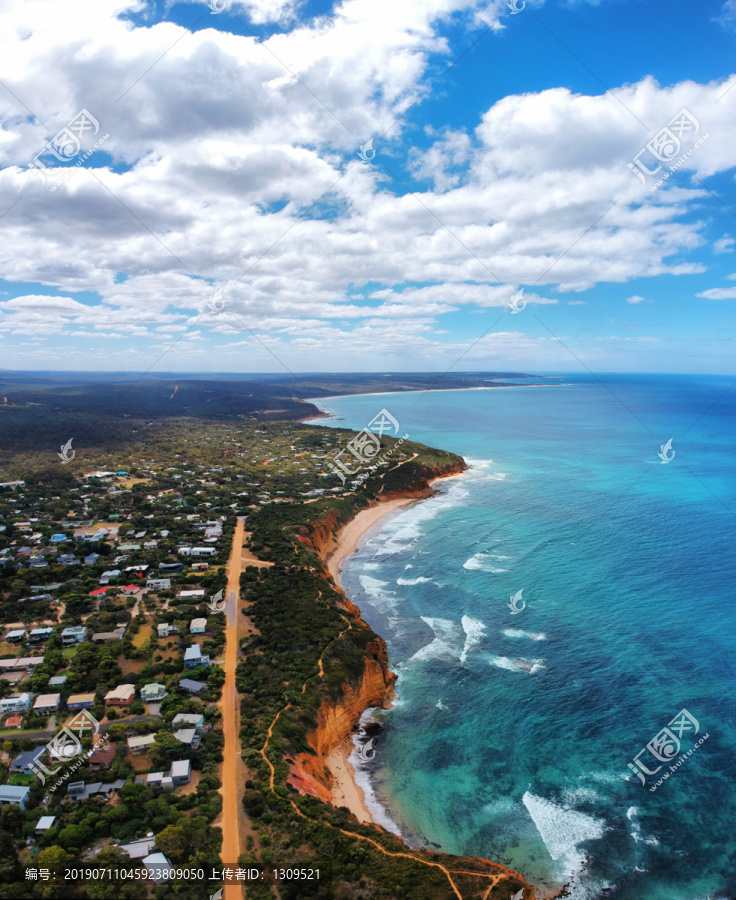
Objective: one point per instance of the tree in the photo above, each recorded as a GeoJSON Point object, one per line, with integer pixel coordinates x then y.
{"type": "Point", "coordinates": [55, 859]}
{"type": "Point", "coordinates": [172, 843]}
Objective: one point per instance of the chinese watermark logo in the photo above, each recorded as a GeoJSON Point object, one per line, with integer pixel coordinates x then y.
{"type": "Point", "coordinates": [366, 445]}
{"type": "Point", "coordinates": [665, 746]}
{"type": "Point", "coordinates": [664, 450]}
{"type": "Point", "coordinates": [216, 7]}
{"type": "Point", "coordinates": [514, 605]}
{"type": "Point", "coordinates": [66, 450]}
{"type": "Point", "coordinates": [517, 303]}
{"type": "Point", "coordinates": [367, 751]}
{"type": "Point", "coordinates": [66, 744]}
{"type": "Point", "coordinates": [519, 895]}
{"type": "Point", "coordinates": [67, 145]}
{"type": "Point", "coordinates": [665, 146]}
{"type": "Point", "coordinates": [217, 604]}
{"type": "Point", "coordinates": [215, 301]}
{"type": "Point", "coordinates": [367, 153]}
{"type": "Point", "coordinates": [515, 6]}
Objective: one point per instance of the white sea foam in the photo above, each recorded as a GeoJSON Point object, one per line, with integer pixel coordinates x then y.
{"type": "Point", "coordinates": [499, 556]}
{"type": "Point", "coordinates": [474, 630]}
{"type": "Point", "coordinates": [409, 566]}
{"type": "Point", "coordinates": [636, 834]}
{"type": "Point", "coordinates": [579, 795]}
{"type": "Point", "coordinates": [377, 593]}
{"type": "Point", "coordinates": [480, 562]}
{"type": "Point", "coordinates": [631, 812]}
{"type": "Point", "coordinates": [440, 705]}
{"type": "Point", "coordinates": [503, 662]}
{"type": "Point", "coordinates": [362, 779]}
{"type": "Point", "coordinates": [520, 633]}
{"type": "Point", "coordinates": [448, 639]}
{"type": "Point", "coordinates": [560, 828]}
{"type": "Point", "coordinates": [420, 580]}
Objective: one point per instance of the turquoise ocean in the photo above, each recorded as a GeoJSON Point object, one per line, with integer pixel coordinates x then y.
{"type": "Point", "coordinates": [512, 731]}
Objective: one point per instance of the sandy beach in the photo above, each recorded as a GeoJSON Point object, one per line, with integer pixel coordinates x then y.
{"type": "Point", "coordinates": [345, 791]}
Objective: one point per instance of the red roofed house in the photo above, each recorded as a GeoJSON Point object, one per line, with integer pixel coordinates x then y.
{"type": "Point", "coordinates": [98, 592]}
{"type": "Point", "coordinates": [13, 722]}
{"type": "Point", "coordinates": [102, 757]}
{"type": "Point", "coordinates": [129, 588]}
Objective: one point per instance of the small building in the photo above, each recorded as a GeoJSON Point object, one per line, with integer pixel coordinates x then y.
{"type": "Point", "coordinates": [158, 779]}
{"type": "Point", "coordinates": [14, 795]}
{"type": "Point", "coordinates": [44, 823]}
{"type": "Point", "coordinates": [163, 630]}
{"type": "Point", "coordinates": [108, 576]}
{"type": "Point", "coordinates": [98, 592]}
{"type": "Point", "coordinates": [169, 568]}
{"type": "Point", "coordinates": [191, 686]}
{"type": "Point", "coordinates": [57, 681]}
{"type": "Point", "coordinates": [46, 704]}
{"type": "Point", "coordinates": [198, 626]}
{"type": "Point", "coordinates": [103, 636]}
{"type": "Point", "coordinates": [122, 695]}
{"type": "Point", "coordinates": [15, 703]}
{"type": "Point", "coordinates": [140, 743]}
{"type": "Point", "coordinates": [181, 771]}
{"type": "Point", "coordinates": [74, 635]}
{"type": "Point", "coordinates": [80, 701]}
{"type": "Point", "coordinates": [131, 588]}
{"type": "Point", "coordinates": [193, 657]}
{"type": "Point", "coordinates": [158, 866]}
{"type": "Point", "coordinates": [15, 637]}
{"type": "Point", "coordinates": [191, 595]}
{"type": "Point", "coordinates": [91, 559]}
{"type": "Point", "coordinates": [101, 756]}
{"type": "Point", "coordinates": [138, 849]}
{"type": "Point", "coordinates": [153, 693]}
{"type": "Point", "coordinates": [25, 762]}
{"type": "Point", "coordinates": [37, 635]}
{"type": "Point", "coordinates": [158, 584]}
{"type": "Point", "coordinates": [190, 720]}
{"type": "Point", "coordinates": [188, 737]}
{"type": "Point", "coordinates": [13, 722]}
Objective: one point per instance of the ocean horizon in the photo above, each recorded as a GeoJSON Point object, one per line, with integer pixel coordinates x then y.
{"type": "Point", "coordinates": [551, 613]}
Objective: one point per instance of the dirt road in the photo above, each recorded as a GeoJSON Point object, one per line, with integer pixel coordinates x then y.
{"type": "Point", "coordinates": [230, 706]}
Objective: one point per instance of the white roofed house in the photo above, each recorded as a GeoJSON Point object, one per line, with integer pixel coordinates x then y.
{"type": "Point", "coordinates": [19, 703]}
{"type": "Point", "coordinates": [140, 743]}
{"type": "Point", "coordinates": [198, 626]}
{"type": "Point", "coordinates": [46, 704]}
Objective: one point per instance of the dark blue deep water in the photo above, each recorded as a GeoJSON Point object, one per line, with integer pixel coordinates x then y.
{"type": "Point", "coordinates": [512, 732]}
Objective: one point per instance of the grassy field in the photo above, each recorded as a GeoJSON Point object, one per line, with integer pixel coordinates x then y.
{"type": "Point", "coordinates": [142, 636]}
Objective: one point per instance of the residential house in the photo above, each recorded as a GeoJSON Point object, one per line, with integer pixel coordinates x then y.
{"type": "Point", "coordinates": [191, 686]}
{"type": "Point", "coordinates": [57, 681]}
{"type": "Point", "coordinates": [193, 657]}
{"type": "Point", "coordinates": [80, 701]}
{"type": "Point", "coordinates": [37, 635]}
{"type": "Point", "coordinates": [131, 588]}
{"type": "Point", "coordinates": [46, 704]}
{"type": "Point", "coordinates": [91, 559]}
{"type": "Point", "coordinates": [101, 758]}
{"type": "Point", "coordinates": [181, 771]}
{"type": "Point", "coordinates": [203, 551]}
{"type": "Point", "coordinates": [153, 693]}
{"type": "Point", "coordinates": [78, 790]}
{"type": "Point", "coordinates": [140, 743]}
{"type": "Point", "coordinates": [15, 637]}
{"type": "Point", "coordinates": [158, 584]}
{"type": "Point", "coordinates": [44, 823]}
{"type": "Point", "coordinates": [158, 867]}
{"type": "Point", "coordinates": [108, 576]}
{"type": "Point", "coordinates": [25, 762]}
{"type": "Point", "coordinates": [13, 722]}
{"type": "Point", "coordinates": [190, 720]}
{"type": "Point", "coordinates": [198, 626]}
{"type": "Point", "coordinates": [122, 695]}
{"type": "Point", "coordinates": [103, 636]}
{"type": "Point", "coordinates": [138, 849]}
{"type": "Point", "coordinates": [169, 568]}
{"type": "Point", "coordinates": [163, 629]}
{"type": "Point", "coordinates": [15, 703]}
{"type": "Point", "coordinates": [74, 635]}
{"type": "Point", "coordinates": [14, 795]}
{"type": "Point", "coordinates": [188, 737]}
{"type": "Point", "coordinates": [191, 595]}
{"type": "Point", "coordinates": [157, 779]}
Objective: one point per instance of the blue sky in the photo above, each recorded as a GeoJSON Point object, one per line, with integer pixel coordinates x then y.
{"type": "Point", "coordinates": [215, 214]}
